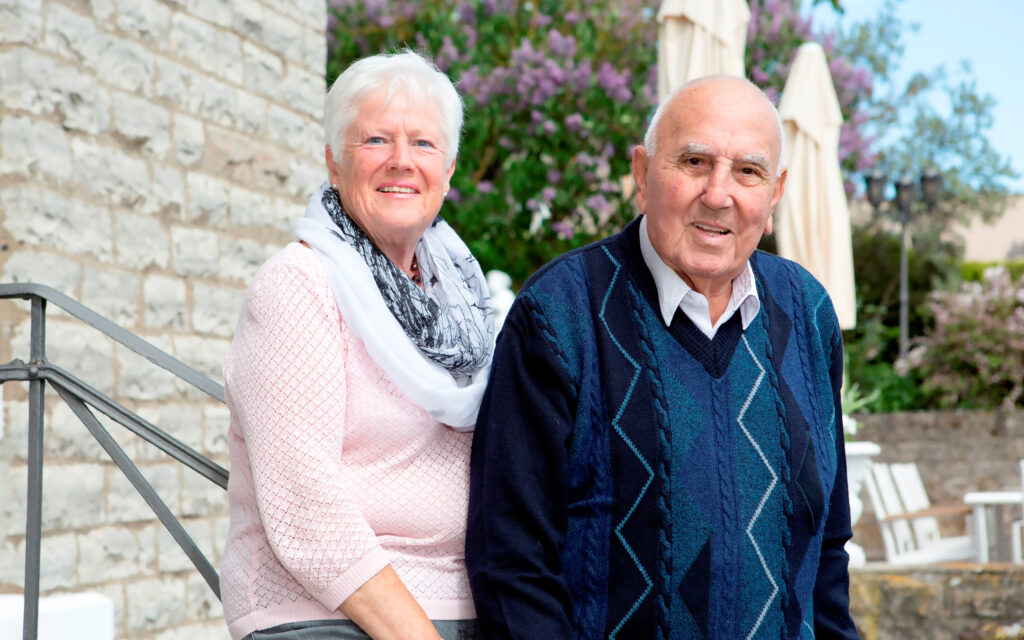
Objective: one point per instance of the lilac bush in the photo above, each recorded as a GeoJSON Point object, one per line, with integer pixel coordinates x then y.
{"type": "Point", "coordinates": [557, 95]}
{"type": "Point", "coordinates": [777, 28]}
{"type": "Point", "coordinates": [973, 356]}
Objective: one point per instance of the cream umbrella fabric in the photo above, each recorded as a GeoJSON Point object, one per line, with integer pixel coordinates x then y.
{"type": "Point", "coordinates": [812, 221]}
{"type": "Point", "coordinates": [699, 38]}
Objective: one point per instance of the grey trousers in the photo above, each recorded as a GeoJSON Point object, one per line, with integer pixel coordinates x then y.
{"type": "Point", "coordinates": [348, 630]}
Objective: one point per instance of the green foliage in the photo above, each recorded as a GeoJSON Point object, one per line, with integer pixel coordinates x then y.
{"type": "Point", "coordinates": [973, 355]}
{"type": "Point", "coordinates": [557, 94]}
{"type": "Point", "coordinates": [872, 347]}
{"type": "Point", "coordinates": [973, 271]}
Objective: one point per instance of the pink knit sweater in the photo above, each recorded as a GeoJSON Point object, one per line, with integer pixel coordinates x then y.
{"type": "Point", "coordinates": [334, 472]}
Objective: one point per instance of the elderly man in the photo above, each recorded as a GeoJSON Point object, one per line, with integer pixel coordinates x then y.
{"type": "Point", "coordinates": [660, 450]}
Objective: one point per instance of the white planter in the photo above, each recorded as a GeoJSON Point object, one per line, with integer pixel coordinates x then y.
{"type": "Point", "coordinates": [858, 466]}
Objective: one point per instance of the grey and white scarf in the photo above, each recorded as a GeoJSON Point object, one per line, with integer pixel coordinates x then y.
{"type": "Point", "coordinates": [435, 343]}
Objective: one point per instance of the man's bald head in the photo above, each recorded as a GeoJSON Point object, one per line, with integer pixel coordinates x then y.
{"type": "Point", "coordinates": [721, 92]}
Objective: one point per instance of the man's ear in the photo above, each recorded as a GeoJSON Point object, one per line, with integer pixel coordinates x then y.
{"type": "Point", "coordinates": [639, 170]}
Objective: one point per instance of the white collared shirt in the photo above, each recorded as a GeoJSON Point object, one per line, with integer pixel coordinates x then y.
{"type": "Point", "coordinates": [674, 293]}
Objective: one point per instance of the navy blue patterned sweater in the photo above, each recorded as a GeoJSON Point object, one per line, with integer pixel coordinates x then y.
{"type": "Point", "coordinates": [632, 480]}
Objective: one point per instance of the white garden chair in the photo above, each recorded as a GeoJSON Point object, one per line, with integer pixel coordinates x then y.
{"type": "Point", "coordinates": [908, 521]}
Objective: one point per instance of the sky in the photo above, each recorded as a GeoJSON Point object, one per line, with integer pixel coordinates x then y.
{"type": "Point", "coordinates": [988, 33]}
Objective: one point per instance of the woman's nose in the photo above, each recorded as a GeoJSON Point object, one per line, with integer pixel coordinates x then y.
{"type": "Point", "coordinates": [400, 157]}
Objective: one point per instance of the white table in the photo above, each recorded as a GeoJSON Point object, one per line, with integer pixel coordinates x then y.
{"type": "Point", "coordinates": [998, 500]}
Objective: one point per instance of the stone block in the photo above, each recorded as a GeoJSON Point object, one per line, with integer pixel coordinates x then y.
{"type": "Point", "coordinates": [168, 189]}
{"type": "Point", "coordinates": [219, 12]}
{"type": "Point", "coordinates": [72, 497]}
{"type": "Point", "coordinates": [212, 100]}
{"type": "Point", "coordinates": [184, 422]}
{"type": "Point", "coordinates": [45, 218]}
{"type": "Point", "coordinates": [314, 49]}
{"type": "Point", "coordinates": [153, 604]}
{"type": "Point", "coordinates": [108, 172]}
{"type": "Point", "coordinates": [303, 90]}
{"type": "Point", "coordinates": [148, 20]}
{"type": "Point", "coordinates": [126, 505]}
{"type": "Point", "coordinates": [43, 268]}
{"type": "Point", "coordinates": [311, 13]}
{"type": "Point", "coordinates": [194, 252]}
{"type": "Point", "coordinates": [72, 35]}
{"type": "Point", "coordinates": [108, 553]}
{"type": "Point", "coordinates": [205, 355]}
{"type": "Point", "coordinates": [147, 547]}
{"type": "Point", "coordinates": [304, 177]}
{"type": "Point", "coordinates": [12, 566]}
{"type": "Point", "coordinates": [142, 122]}
{"type": "Point", "coordinates": [207, 201]}
{"type": "Point", "coordinates": [68, 439]}
{"type": "Point", "coordinates": [140, 379]}
{"type": "Point", "coordinates": [202, 604]}
{"type": "Point", "coordinates": [290, 130]}
{"type": "Point", "coordinates": [170, 556]}
{"type": "Point", "coordinates": [141, 242]}
{"type": "Point", "coordinates": [76, 348]}
{"type": "Point", "coordinates": [251, 209]}
{"type": "Point", "coordinates": [14, 446]}
{"type": "Point", "coordinates": [241, 158]}
{"type": "Point", "coordinates": [21, 21]}
{"type": "Point", "coordinates": [171, 82]}
{"type": "Point", "coordinates": [211, 49]}
{"type": "Point", "coordinates": [283, 36]}
{"type": "Point", "coordinates": [102, 10]}
{"type": "Point", "coordinates": [164, 303]}
{"type": "Point", "coordinates": [217, 420]}
{"type": "Point", "coordinates": [240, 259]}
{"type": "Point", "coordinates": [201, 497]}
{"type": "Point", "coordinates": [252, 113]}
{"type": "Point", "coordinates": [189, 139]}
{"type": "Point", "coordinates": [39, 84]}
{"type": "Point", "coordinates": [215, 309]}
{"type": "Point", "coordinates": [264, 72]}
{"type": "Point", "coordinates": [34, 149]}
{"type": "Point", "coordinates": [112, 294]}
{"type": "Point", "coordinates": [248, 19]}
{"type": "Point", "coordinates": [126, 65]}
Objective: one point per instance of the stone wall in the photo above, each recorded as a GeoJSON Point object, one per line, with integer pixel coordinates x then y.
{"type": "Point", "coordinates": [955, 451]}
{"type": "Point", "coordinates": [953, 602]}
{"type": "Point", "coordinates": [153, 153]}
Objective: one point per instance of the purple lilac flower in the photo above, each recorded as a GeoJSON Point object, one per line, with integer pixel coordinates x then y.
{"type": "Point", "coordinates": [561, 45]}
{"type": "Point", "coordinates": [574, 122]}
{"type": "Point", "coordinates": [485, 186]}
{"type": "Point", "coordinates": [549, 127]}
{"type": "Point", "coordinates": [563, 228]}
{"type": "Point", "coordinates": [554, 177]}
{"type": "Point", "coordinates": [548, 194]}
{"type": "Point", "coordinates": [598, 204]}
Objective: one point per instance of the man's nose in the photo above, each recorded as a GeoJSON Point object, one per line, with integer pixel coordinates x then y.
{"type": "Point", "coordinates": [718, 191]}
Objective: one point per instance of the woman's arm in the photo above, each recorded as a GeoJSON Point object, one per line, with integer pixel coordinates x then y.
{"type": "Point", "coordinates": [385, 609]}
{"type": "Point", "coordinates": [286, 382]}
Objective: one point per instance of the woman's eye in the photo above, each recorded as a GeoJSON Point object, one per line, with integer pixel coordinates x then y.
{"type": "Point", "coordinates": [375, 140]}
{"type": "Point", "coordinates": [424, 143]}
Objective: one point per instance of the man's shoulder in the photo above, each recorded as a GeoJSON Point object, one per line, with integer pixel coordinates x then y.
{"type": "Point", "coordinates": [776, 272]}
{"type": "Point", "coordinates": [555, 275]}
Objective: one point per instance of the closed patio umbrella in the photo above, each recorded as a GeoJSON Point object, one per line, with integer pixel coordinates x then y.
{"type": "Point", "coordinates": [812, 221]}
{"type": "Point", "coordinates": [699, 38]}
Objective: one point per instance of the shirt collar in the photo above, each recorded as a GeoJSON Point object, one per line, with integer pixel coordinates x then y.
{"type": "Point", "coordinates": [673, 291]}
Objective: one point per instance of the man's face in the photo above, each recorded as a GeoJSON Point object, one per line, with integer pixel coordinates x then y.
{"type": "Point", "coordinates": [711, 185]}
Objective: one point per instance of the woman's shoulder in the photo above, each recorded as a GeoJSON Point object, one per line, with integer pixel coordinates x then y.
{"type": "Point", "coordinates": [294, 270]}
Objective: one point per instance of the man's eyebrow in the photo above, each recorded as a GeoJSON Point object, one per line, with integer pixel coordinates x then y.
{"type": "Point", "coordinates": [695, 149]}
{"type": "Point", "coordinates": [757, 160]}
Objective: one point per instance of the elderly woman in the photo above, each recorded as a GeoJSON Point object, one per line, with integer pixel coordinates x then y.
{"type": "Point", "coordinates": [355, 374]}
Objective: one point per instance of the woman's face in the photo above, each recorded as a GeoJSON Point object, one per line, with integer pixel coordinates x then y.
{"type": "Point", "coordinates": [392, 176]}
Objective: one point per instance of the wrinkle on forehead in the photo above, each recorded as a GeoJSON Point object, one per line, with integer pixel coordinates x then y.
{"type": "Point", "coordinates": [698, 149]}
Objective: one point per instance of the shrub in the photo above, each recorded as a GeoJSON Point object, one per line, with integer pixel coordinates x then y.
{"type": "Point", "coordinates": [973, 356]}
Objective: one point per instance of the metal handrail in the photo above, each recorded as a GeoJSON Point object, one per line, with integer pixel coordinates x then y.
{"type": "Point", "coordinates": [79, 396]}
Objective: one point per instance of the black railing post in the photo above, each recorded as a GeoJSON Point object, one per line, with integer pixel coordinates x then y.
{"type": "Point", "coordinates": [34, 510]}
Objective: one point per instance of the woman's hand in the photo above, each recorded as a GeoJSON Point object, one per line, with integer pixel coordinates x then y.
{"type": "Point", "coordinates": [385, 610]}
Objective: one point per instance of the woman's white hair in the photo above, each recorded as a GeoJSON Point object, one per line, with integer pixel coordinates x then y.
{"type": "Point", "coordinates": [406, 71]}
{"type": "Point", "coordinates": [651, 136]}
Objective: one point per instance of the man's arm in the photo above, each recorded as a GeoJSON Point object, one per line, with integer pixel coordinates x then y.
{"type": "Point", "coordinates": [832, 588]}
{"type": "Point", "coordinates": [519, 485]}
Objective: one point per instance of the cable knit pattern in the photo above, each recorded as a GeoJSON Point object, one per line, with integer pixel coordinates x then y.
{"type": "Point", "coordinates": [334, 472]}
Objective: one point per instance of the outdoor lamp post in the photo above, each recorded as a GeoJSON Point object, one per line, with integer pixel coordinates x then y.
{"type": "Point", "coordinates": [931, 186]}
